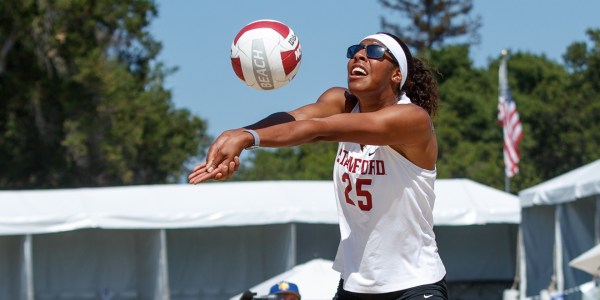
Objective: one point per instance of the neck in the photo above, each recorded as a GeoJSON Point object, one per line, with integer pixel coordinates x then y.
{"type": "Point", "coordinates": [369, 102]}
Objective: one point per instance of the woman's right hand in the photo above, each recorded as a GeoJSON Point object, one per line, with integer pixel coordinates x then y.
{"type": "Point", "coordinates": [222, 158]}
{"type": "Point", "coordinates": [200, 173]}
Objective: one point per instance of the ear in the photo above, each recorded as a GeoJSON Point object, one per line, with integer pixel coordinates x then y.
{"type": "Point", "coordinates": [397, 76]}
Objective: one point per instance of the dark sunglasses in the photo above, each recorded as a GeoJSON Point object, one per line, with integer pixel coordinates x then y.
{"type": "Point", "coordinates": [373, 51]}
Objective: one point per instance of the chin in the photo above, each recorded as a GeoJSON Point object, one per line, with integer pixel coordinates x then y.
{"type": "Point", "coordinates": [355, 84]}
{"type": "Point", "coordinates": [356, 87]}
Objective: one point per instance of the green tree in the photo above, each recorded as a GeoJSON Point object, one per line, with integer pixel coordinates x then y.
{"type": "Point", "coordinates": [470, 139]}
{"type": "Point", "coordinates": [306, 162]}
{"type": "Point", "coordinates": [432, 22]}
{"type": "Point", "coordinates": [558, 109]}
{"type": "Point", "coordinates": [539, 87]}
{"type": "Point", "coordinates": [468, 135]}
{"type": "Point", "coordinates": [82, 101]}
{"type": "Point", "coordinates": [575, 121]}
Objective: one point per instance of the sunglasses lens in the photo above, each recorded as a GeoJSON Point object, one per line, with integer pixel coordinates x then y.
{"type": "Point", "coordinates": [375, 51]}
{"type": "Point", "coordinates": [352, 50]}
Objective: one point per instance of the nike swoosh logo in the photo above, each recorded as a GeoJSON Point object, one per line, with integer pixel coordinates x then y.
{"type": "Point", "coordinates": [427, 296]}
{"type": "Point", "coordinates": [371, 153]}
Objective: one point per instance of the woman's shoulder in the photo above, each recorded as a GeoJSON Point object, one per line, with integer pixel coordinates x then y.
{"type": "Point", "coordinates": [340, 97]}
{"type": "Point", "coordinates": [335, 91]}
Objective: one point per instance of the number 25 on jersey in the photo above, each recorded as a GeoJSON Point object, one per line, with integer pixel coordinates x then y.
{"type": "Point", "coordinates": [365, 201]}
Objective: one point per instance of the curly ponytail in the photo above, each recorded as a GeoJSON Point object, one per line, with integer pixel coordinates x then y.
{"type": "Point", "coordinates": [420, 86]}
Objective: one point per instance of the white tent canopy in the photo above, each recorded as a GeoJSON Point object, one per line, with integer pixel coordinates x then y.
{"type": "Point", "coordinates": [466, 202]}
{"type": "Point", "coordinates": [560, 223]}
{"type": "Point", "coordinates": [459, 202]}
{"type": "Point", "coordinates": [576, 184]}
{"type": "Point", "coordinates": [316, 280]}
{"type": "Point", "coordinates": [181, 241]}
{"type": "Point", "coordinates": [166, 206]}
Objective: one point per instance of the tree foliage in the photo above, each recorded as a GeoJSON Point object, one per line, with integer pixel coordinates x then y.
{"type": "Point", "coordinates": [466, 124]}
{"type": "Point", "coordinates": [432, 22]}
{"type": "Point", "coordinates": [82, 101]}
{"type": "Point", "coordinates": [558, 107]}
{"type": "Point", "coordinates": [306, 162]}
{"type": "Point", "coordinates": [470, 138]}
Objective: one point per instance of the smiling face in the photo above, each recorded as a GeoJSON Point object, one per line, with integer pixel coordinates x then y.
{"type": "Point", "coordinates": [368, 75]}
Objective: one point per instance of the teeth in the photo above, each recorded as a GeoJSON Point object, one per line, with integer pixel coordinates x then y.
{"type": "Point", "coordinates": [359, 70]}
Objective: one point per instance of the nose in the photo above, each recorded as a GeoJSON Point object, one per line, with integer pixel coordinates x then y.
{"type": "Point", "coordinates": [360, 55]}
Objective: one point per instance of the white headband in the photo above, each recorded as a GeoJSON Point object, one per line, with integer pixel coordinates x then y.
{"type": "Point", "coordinates": [396, 50]}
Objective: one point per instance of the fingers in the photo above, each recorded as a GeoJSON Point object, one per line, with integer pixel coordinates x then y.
{"type": "Point", "coordinates": [202, 165]}
{"type": "Point", "coordinates": [216, 159]}
{"type": "Point", "coordinates": [236, 160]}
{"type": "Point", "coordinates": [220, 173]}
{"type": "Point", "coordinates": [204, 172]}
{"type": "Point", "coordinates": [222, 159]}
{"type": "Point", "coordinates": [197, 170]}
{"type": "Point", "coordinates": [199, 174]}
{"type": "Point", "coordinates": [227, 170]}
{"type": "Point", "coordinates": [201, 178]}
{"type": "Point", "coordinates": [213, 154]}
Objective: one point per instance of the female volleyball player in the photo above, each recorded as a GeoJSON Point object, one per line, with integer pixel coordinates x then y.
{"type": "Point", "coordinates": [384, 171]}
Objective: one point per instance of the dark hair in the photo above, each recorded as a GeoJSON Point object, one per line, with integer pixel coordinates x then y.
{"type": "Point", "coordinates": [420, 86]}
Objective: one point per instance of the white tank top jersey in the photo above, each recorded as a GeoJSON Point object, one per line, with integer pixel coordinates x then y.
{"type": "Point", "coordinates": [385, 205]}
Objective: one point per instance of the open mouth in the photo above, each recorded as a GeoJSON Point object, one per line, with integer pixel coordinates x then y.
{"type": "Point", "coordinates": [358, 71]}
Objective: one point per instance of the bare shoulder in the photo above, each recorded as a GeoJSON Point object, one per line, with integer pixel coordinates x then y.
{"type": "Point", "coordinates": [331, 102]}
{"type": "Point", "coordinates": [335, 94]}
{"type": "Point", "coordinates": [407, 116]}
{"type": "Point", "coordinates": [419, 142]}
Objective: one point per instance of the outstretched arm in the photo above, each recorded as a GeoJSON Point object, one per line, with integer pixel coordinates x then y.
{"type": "Point", "coordinates": [200, 172]}
{"type": "Point", "coordinates": [405, 128]}
{"type": "Point", "coordinates": [230, 143]}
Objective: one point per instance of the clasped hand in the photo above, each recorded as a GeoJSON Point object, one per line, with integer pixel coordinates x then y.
{"type": "Point", "coordinates": [222, 158]}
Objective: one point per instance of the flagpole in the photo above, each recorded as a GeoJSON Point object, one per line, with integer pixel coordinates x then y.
{"type": "Point", "coordinates": [504, 95]}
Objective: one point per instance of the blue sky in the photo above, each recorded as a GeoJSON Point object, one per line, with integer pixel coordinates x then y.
{"type": "Point", "coordinates": [197, 35]}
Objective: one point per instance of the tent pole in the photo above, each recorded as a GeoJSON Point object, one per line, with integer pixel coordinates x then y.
{"type": "Point", "coordinates": [522, 272]}
{"type": "Point", "coordinates": [293, 235]}
{"type": "Point", "coordinates": [597, 221]}
{"type": "Point", "coordinates": [28, 266]}
{"type": "Point", "coordinates": [558, 251]}
{"type": "Point", "coordinates": [164, 293]}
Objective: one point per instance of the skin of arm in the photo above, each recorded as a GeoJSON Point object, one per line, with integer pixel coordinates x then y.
{"type": "Point", "coordinates": [406, 128]}
{"type": "Point", "coordinates": [333, 101]}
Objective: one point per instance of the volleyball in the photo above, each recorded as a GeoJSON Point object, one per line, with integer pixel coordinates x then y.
{"type": "Point", "coordinates": [266, 54]}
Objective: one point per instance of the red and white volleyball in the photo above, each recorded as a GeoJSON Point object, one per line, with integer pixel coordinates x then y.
{"type": "Point", "coordinates": [266, 54]}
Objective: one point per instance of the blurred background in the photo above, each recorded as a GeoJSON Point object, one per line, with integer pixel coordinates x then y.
{"type": "Point", "coordinates": [117, 98]}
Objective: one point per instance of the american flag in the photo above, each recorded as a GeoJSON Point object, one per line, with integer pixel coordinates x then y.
{"type": "Point", "coordinates": [508, 118]}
